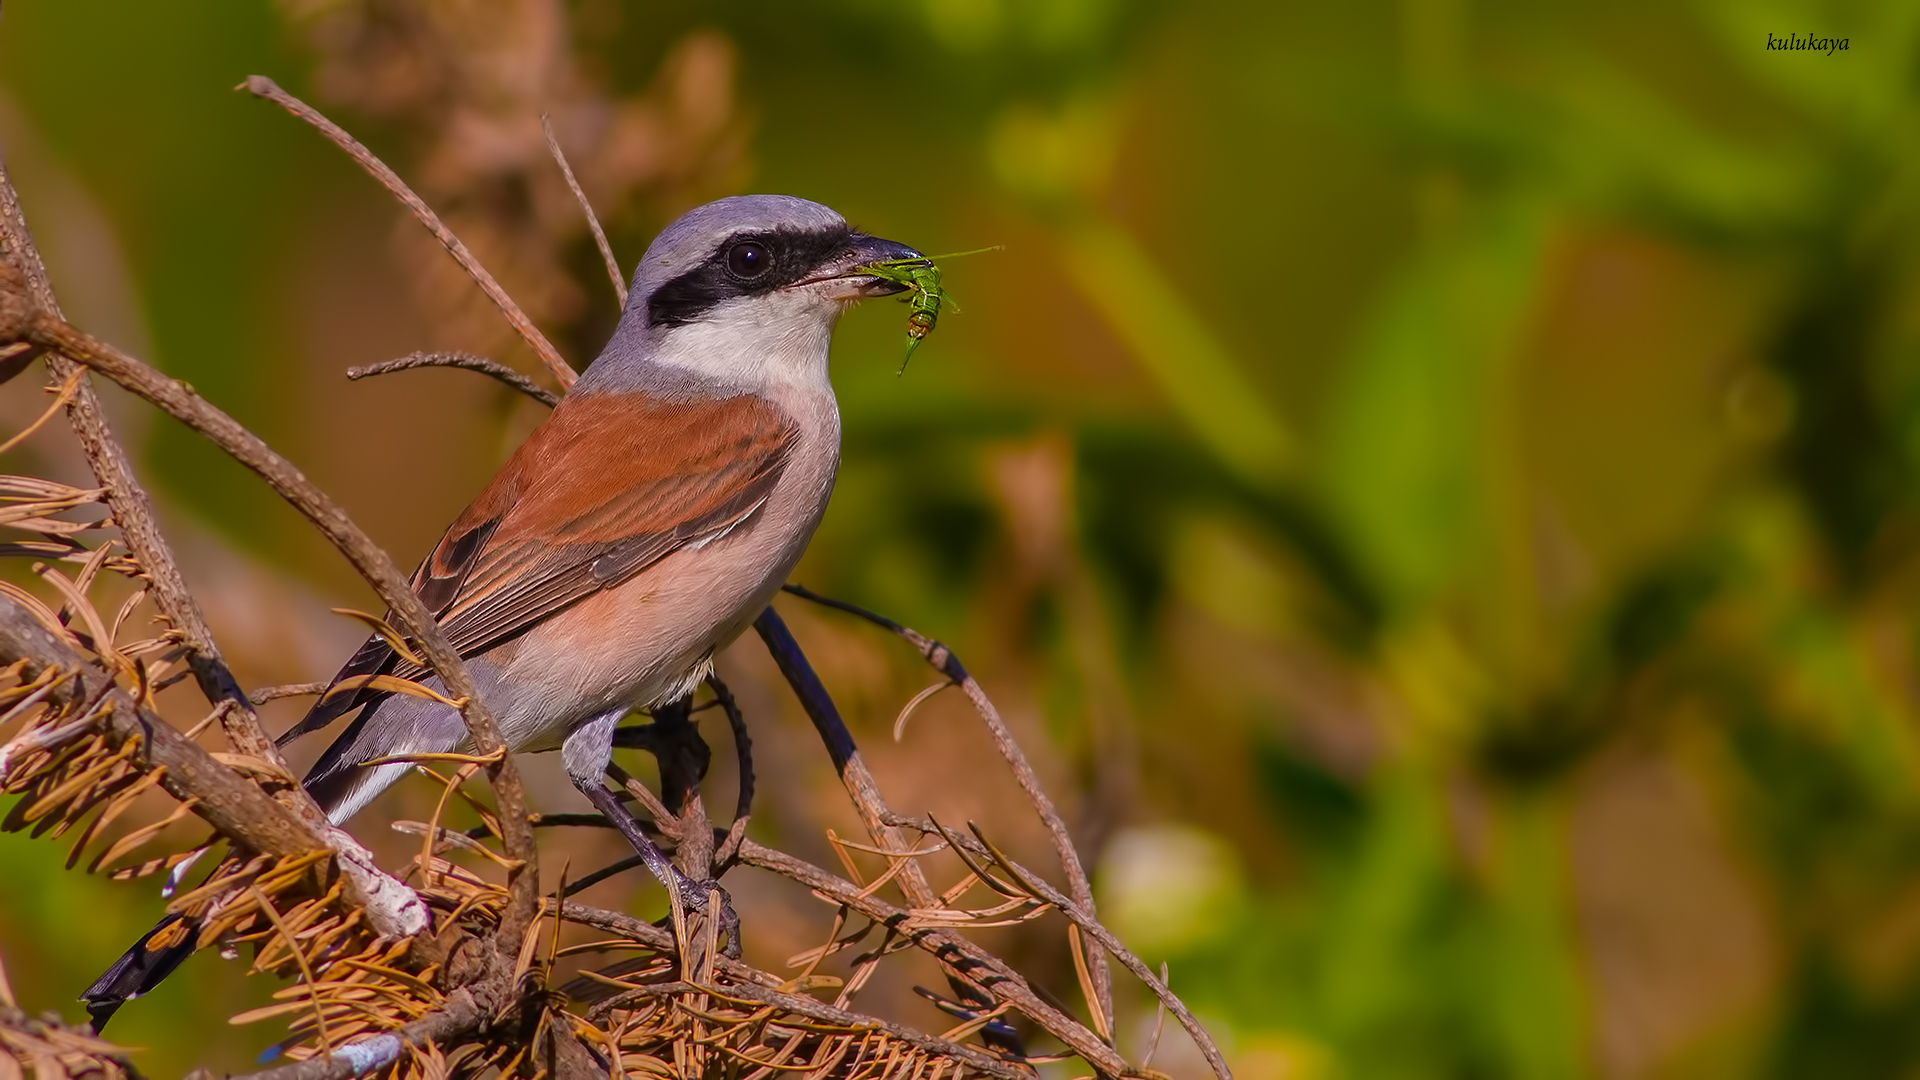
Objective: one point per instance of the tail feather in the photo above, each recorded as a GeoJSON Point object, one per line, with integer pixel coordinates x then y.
{"type": "Point", "coordinates": [340, 782]}
{"type": "Point", "coordinates": [141, 968]}
{"type": "Point", "coordinates": [167, 945]}
{"type": "Point", "coordinates": [343, 782]}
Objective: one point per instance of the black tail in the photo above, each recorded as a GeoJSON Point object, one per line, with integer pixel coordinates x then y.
{"type": "Point", "coordinates": [166, 946]}
{"type": "Point", "coordinates": [141, 968]}
{"type": "Point", "coordinates": [154, 957]}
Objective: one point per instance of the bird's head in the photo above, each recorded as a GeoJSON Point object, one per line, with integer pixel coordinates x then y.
{"type": "Point", "coordinates": [745, 291]}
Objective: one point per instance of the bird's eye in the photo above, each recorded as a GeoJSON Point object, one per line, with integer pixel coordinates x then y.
{"type": "Point", "coordinates": [749, 259]}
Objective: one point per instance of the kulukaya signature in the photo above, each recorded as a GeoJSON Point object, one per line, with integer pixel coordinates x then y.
{"type": "Point", "coordinates": [1796, 42]}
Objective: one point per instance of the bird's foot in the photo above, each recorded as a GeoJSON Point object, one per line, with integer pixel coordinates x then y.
{"type": "Point", "coordinates": [697, 898]}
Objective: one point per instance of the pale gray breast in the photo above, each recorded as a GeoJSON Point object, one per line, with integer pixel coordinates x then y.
{"type": "Point", "coordinates": [646, 640]}
{"type": "Point", "coordinates": [756, 559]}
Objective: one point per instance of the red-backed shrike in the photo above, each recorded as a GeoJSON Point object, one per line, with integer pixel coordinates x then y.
{"type": "Point", "coordinates": [641, 527]}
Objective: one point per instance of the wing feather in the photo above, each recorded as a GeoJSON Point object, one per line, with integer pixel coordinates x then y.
{"type": "Point", "coordinates": [607, 486]}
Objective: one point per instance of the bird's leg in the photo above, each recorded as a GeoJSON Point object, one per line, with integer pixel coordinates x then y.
{"type": "Point", "coordinates": [684, 757]}
{"type": "Point", "coordinates": [587, 752]}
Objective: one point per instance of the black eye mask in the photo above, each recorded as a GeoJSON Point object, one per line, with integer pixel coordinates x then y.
{"type": "Point", "coordinates": [745, 264]}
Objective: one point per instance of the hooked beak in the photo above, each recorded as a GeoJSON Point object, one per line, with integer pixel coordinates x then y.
{"type": "Point", "coordinates": [836, 279]}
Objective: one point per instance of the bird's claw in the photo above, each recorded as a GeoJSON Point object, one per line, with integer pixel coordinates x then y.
{"type": "Point", "coordinates": [694, 898]}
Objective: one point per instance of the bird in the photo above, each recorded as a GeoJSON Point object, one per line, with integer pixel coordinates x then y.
{"type": "Point", "coordinates": [641, 527]}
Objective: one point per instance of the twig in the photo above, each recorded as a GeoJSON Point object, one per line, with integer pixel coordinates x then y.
{"type": "Point", "coordinates": [743, 752]}
{"type": "Point", "coordinates": [133, 512]}
{"type": "Point", "coordinates": [1159, 1021]}
{"type": "Point", "coordinates": [683, 755]}
{"type": "Point", "coordinates": [664, 820]}
{"type": "Point", "coordinates": [21, 1035]}
{"type": "Point", "coordinates": [21, 319]}
{"type": "Point", "coordinates": [854, 775]}
{"type": "Point", "coordinates": [861, 787]}
{"type": "Point", "coordinates": [225, 799]}
{"type": "Point", "coordinates": [943, 660]}
{"type": "Point", "coordinates": [943, 944]}
{"type": "Point", "coordinates": [593, 221]}
{"type": "Point", "coordinates": [394, 909]}
{"type": "Point", "coordinates": [469, 362]}
{"type": "Point", "coordinates": [261, 86]}
{"type": "Point", "coordinates": [817, 1010]}
{"type": "Point", "coordinates": [957, 953]}
{"type": "Point", "coordinates": [655, 937]}
{"type": "Point", "coordinates": [1083, 918]}
{"type": "Point", "coordinates": [461, 1014]}
{"type": "Point", "coordinates": [275, 693]}
{"type": "Point", "coordinates": [614, 869]}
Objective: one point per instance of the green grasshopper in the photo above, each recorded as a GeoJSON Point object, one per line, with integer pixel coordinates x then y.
{"type": "Point", "coordinates": [924, 292]}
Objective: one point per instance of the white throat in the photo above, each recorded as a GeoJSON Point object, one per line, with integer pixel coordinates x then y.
{"type": "Point", "coordinates": [757, 343]}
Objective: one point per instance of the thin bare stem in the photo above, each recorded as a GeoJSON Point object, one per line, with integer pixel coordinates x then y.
{"type": "Point", "coordinates": [860, 784]}
{"type": "Point", "coordinates": [969, 960]}
{"type": "Point", "coordinates": [943, 660]}
{"type": "Point", "coordinates": [22, 319]}
{"type": "Point", "coordinates": [593, 220]}
{"type": "Point", "coordinates": [52, 1048]}
{"type": "Point", "coordinates": [133, 512]}
{"type": "Point", "coordinates": [611, 870]}
{"type": "Point", "coordinates": [275, 693]}
{"type": "Point", "coordinates": [225, 799]}
{"type": "Point", "coordinates": [465, 361]}
{"type": "Point", "coordinates": [263, 87]}
{"type": "Point", "coordinates": [743, 750]}
{"type": "Point", "coordinates": [461, 1014]}
{"type": "Point", "coordinates": [827, 1014]}
{"type": "Point", "coordinates": [394, 908]}
{"type": "Point", "coordinates": [1082, 918]}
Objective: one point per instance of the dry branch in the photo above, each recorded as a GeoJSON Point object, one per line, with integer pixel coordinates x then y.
{"type": "Point", "coordinates": [943, 660]}
{"type": "Point", "coordinates": [860, 784]}
{"type": "Point", "coordinates": [593, 219]}
{"type": "Point", "coordinates": [957, 953]}
{"type": "Point", "coordinates": [228, 801]}
{"type": "Point", "coordinates": [465, 361]}
{"type": "Point", "coordinates": [22, 319]}
{"type": "Point", "coordinates": [815, 1010]}
{"type": "Point", "coordinates": [53, 1049]}
{"type": "Point", "coordinates": [261, 86]}
{"type": "Point", "coordinates": [462, 1014]}
{"type": "Point", "coordinates": [743, 983]}
{"type": "Point", "coordinates": [1083, 919]}
{"type": "Point", "coordinates": [133, 512]}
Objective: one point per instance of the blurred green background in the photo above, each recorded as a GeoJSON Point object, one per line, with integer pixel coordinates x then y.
{"type": "Point", "coordinates": [1433, 484]}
